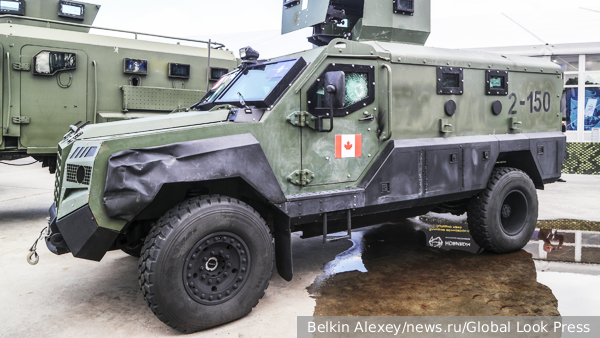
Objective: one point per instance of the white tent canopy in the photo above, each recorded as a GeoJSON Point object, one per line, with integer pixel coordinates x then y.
{"type": "Point", "coordinates": [473, 24]}
{"type": "Point", "coordinates": [484, 23]}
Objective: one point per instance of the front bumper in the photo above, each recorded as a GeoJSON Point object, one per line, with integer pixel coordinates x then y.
{"type": "Point", "coordinates": [55, 242]}
{"type": "Point", "coordinates": [79, 234]}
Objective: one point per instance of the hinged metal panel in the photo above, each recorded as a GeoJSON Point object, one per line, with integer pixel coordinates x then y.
{"type": "Point", "coordinates": [301, 119]}
{"type": "Point", "coordinates": [515, 124]}
{"type": "Point", "coordinates": [160, 99]}
{"type": "Point", "coordinates": [244, 115]}
{"type": "Point", "coordinates": [301, 177]}
{"type": "Point", "coordinates": [25, 67]}
{"type": "Point", "coordinates": [445, 126]}
{"type": "Point", "coordinates": [20, 120]}
{"type": "Point", "coordinates": [311, 12]}
{"type": "Point", "coordinates": [51, 102]}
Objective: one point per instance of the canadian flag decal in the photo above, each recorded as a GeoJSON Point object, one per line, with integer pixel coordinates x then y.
{"type": "Point", "coordinates": [348, 146]}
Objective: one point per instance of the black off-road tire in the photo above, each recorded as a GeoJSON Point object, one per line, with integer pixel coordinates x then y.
{"type": "Point", "coordinates": [503, 217]}
{"type": "Point", "coordinates": [174, 270]}
{"type": "Point", "coordinates": [134, 252]}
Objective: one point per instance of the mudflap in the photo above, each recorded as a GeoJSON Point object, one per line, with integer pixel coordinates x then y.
{"type": "Point", "coordinates": [283, 248]}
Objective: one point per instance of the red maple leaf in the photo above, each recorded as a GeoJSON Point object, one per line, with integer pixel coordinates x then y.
{"type": "Point", "coordinates": [348, 145]}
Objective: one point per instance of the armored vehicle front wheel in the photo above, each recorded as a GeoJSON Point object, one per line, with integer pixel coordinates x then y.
{"type": "Point", "coordinates": [134, 251]}
{"type": "Point", "coordinates": [503, 217]}
{"type": "Point", "coordinates": [206, 262]}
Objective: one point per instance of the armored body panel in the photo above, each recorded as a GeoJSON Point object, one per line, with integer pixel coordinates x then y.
{"type": "Point", "coordinates": [356, 132]}
{"type": "Point", "coordinates": [55, 74]}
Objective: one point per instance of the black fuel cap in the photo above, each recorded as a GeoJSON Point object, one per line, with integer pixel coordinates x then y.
{"type": "Point", "coordinates": [497, 107]}
{"type": "Point", "coordinates": [450, 107]}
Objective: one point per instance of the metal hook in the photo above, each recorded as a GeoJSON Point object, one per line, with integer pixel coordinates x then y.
{"type": "Point", "coordinates": [35, 257]}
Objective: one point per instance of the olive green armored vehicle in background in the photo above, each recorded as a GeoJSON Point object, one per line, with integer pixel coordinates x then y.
{"type": "Point", "coordinates": [368, 127]}
{"type": "Point", "coordinates": [54, 74]}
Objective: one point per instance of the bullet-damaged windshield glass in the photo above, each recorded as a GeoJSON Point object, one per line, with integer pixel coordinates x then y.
{"type": "Point", "coordinates": [257, 81]}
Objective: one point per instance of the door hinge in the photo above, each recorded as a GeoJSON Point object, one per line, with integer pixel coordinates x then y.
{"type": "Point", "coordinates": [25, 67]}
{"type": "Point", "coordinates": [515, 124]}
{"type": "Point", "coordinates": [21, 120]}
{"type": "Point", "coordinates": [301, 177]}
{"type": "Point", "coordinates": [301, 119]}
{"type": "Point", "coordinates": [445, 126]}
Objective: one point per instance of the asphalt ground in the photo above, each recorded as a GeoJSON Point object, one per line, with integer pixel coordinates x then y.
{"type": "Point", "coordinates": [67, 297]}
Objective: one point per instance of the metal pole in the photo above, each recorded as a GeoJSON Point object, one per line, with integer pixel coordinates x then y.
{"type": "Point", "coordinates": [208, 67]}
{"type": "Point", "coordinates": [325, 228]}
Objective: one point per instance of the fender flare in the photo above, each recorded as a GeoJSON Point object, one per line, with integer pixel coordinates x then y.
{"type": "Point", "coordinates": [135, 176]}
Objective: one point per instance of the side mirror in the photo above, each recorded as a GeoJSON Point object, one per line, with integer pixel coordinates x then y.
{"type": "Point", "coordinates": [335, 89]}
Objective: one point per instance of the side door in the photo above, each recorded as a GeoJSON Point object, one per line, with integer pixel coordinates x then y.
{"type": "Point", "coordinates": [53, 94]}
{"type": "Point", "coordinates": [343, 154]}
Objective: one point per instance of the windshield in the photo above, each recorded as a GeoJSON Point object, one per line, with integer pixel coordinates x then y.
{"type": "Point", "coordinates": [218, 87]}
{"type": "Point", "coordinates": [257, 82]}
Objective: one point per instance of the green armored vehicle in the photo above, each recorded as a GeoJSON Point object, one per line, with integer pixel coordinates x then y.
{"type": "Point", "coordinates": [368, 127]}
{"type": "Point", "coordinates": [54, 74]}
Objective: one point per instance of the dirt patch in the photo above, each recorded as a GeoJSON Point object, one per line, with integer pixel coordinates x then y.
{"type": "Point", "coordinates": [406, 278]}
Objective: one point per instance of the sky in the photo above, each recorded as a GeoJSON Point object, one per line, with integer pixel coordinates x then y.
{"type": "Point", "coordinates": [455, 23]}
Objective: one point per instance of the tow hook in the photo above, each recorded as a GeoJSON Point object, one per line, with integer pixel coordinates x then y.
{"type": "Point", "coordinates": [33, 258]}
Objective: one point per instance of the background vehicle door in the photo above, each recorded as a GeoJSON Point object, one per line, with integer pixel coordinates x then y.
{"type": "Point", "coordinates": [52, 102]}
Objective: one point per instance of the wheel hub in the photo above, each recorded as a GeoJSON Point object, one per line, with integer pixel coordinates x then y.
{"type": "Point", "coordinates": [513, 213]}
{"type": "Point", "coordinates": [216, 268]}
{"type": "Point", "coordinates": [506, 211]}
{"type": "Point", "coordinates": [212, 264]}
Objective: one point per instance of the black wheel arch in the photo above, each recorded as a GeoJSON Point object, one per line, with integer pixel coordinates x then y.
{"type": "Point", "coordinates": [522, 160]}
{"type": "Point", "coordinates": [138, 179]}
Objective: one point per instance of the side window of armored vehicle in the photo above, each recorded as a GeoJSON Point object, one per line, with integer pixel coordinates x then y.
{"type": "Point", "coordinates": [12, 7]}
{"type": "Point", "coordinates": [179, 70]}
{"type": "Point", "coordinates": [450, 81]}
{"type": "Point", "coordinates": [72, 10]}
{"type": "Point", "coordinates": [406, 7]}
{"type": "Point", "coordinates": [135, 66]}
{"type": "Point", "coordinates": [496, 82]}
{"type": "Point", "coordinates": [359, 90]}
{"type": "Point", "coordinates": [49, 63]}
{"type": "Point", "coordinates": [217, 73]}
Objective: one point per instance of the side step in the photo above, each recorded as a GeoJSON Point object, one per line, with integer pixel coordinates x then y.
{"type": "Point", "coordinates": [328, 239]}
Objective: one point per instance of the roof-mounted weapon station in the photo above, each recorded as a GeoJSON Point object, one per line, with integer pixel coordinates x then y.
{"type": "Point", "coordinates": [405, 21]}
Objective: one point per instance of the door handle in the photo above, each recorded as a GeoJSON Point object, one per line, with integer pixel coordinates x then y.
{"type": "Point", "coordinates": [319, 124]}
{"type": "Point", "coordinates": [9, 93]}
{"type": "Point", "coordinates": [368, 118]}
{"type": "Point", "coordinates": [388, 134]}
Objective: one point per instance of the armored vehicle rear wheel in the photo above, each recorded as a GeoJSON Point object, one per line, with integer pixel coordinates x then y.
{"type": "Point", "coordinates": [206, 262]}
{"type": "Point", "coordinates": [502, 218]}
